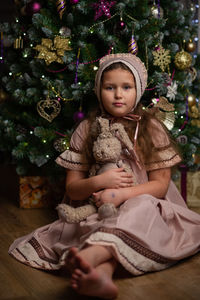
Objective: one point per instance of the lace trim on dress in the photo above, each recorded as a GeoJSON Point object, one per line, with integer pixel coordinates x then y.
{"type": "Point", "coordinates": [165, 158]}
{"type": "Point", "coordinates": [33, 255]}
{"type": "Point", "coordinates": [73, 160]}
{"type": "Point", "coordinates": [134, 257]}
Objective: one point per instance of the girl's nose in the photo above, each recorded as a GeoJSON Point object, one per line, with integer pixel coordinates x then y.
{"type": "Point", "coordinates": [118, 93]}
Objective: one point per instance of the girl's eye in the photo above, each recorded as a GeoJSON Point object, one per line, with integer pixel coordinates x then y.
{"type": "Point", "coordinates": [126, 87]}
{"type": "Point", "coordinates": [109, 88]}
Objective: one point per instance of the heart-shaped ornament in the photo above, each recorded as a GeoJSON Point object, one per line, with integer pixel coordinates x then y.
{"type": "Point", "coordinates": [49, 109]}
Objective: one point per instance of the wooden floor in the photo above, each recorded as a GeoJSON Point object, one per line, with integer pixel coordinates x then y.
{"type": "Point", "coordinates": [20, 282]}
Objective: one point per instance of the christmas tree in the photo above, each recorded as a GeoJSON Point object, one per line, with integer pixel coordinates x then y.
{"type": "Point", "coordinates": [50, 56]}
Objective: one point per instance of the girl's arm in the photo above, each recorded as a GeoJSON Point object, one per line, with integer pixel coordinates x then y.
{"type": "Point", "coordinates": [79, 187]}
{"type": "Point", "coordinates": [157, 186]}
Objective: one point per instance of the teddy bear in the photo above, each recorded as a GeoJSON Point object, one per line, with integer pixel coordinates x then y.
{"type": "Point", "coordinates": [111, 143]}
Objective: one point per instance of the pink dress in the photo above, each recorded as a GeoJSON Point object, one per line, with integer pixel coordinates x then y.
{"type": "Point", "coordinates": [147, 234]}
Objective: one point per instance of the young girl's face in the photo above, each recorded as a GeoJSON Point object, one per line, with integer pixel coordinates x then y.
{"type": "Point", "coordinates": [118, 92]}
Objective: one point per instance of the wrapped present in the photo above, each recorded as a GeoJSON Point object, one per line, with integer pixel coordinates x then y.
{"type": "Point", "coordinates": [34, 192]}
{"type": "Point", "coordinates": [191, 187]}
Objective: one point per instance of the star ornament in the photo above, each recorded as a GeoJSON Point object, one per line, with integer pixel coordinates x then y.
{"type": "Point", "coordinates": [172, 90]}
{"type": "Point", "coordinates": [102, 8]}
{"type": "Point", "coordinates": [162, 58]}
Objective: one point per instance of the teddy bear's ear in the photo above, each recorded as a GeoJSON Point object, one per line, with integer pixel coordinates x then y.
{"type": "Point", "coordinates": [118, 130]}
{"type": "Point", "coordinates": [103, 124]}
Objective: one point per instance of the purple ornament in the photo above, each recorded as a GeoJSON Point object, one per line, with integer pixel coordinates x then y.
{"type": "Point", "coordinates": [32, 7]}
{"type": "Point", "coordinates": [74, 1]}
{"type": "Point", "coordinates": [102, 8]}
{"type": "Point", "coordinates": [78, 116]}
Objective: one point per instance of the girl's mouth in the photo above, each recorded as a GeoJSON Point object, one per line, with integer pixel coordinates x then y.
{"type": "Point", "coordinates": [118, 104]}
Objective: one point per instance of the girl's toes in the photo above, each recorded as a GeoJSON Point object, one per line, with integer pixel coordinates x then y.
{"type": "Point", "coordinates": [75, 277]}
{"type": "Point", "coordinates": [78, 272]}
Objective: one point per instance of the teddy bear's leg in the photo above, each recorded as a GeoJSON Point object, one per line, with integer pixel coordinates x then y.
{"type": "Point", "coordinates": [75, 215]}
{"type": "Point", "coordinates": [107, 210]}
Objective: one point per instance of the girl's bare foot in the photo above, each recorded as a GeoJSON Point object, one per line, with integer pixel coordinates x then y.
{"type": "Point", "coordinates": [96, 282]}
{"type": "Point", "coordinates": [71, 259]}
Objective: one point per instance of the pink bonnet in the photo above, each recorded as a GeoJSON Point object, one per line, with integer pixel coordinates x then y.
{"type": "Point", "coordinates": [136, 66]}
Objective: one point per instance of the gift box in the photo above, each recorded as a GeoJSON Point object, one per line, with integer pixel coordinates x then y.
{"type": "Point", "coordinates": [190, 186]}
{"type": "Point", "coordinates": [34, 192]}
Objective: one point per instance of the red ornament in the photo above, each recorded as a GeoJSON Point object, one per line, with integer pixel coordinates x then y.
{"type": "Point", "coordinates": [78, 116]}
{"type": "Point", "coordinates": [32, 7]}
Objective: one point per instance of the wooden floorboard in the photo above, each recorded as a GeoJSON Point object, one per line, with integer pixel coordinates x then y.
{"type": "Point", "coordinates": [20, 282]}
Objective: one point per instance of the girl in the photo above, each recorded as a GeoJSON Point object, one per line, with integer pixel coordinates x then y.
{"type": "Point", "coordinates": [152, 230]}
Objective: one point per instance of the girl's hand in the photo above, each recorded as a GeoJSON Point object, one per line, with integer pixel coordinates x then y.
{"type": "Point", "coordinates": [116, 178]}
{"type": "Point", "coordinates": [107, 196]}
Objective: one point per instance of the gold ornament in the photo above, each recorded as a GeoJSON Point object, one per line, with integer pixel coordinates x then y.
{"type": "Point", "coordinates": [191, 100]}
{"type": "Point", "coordinates": [3, 96]}
{"type": "Point", "coordinates": [166, 112]}
{"type": "Point", "coordinates": [61, 144]}
{"type": "Point", "coordinates": [193, 73]}
{"type": "Point", "coordinates": [197, 159]}
{"type": "Point", "coordinates": [190, 46]}
{"type": "Point", "coordinates": [61, 6]}
{"type": "Point", "coordinates": [132, 46]}
{"type": "Point", "coordinates": [49, 109]}
{"type": "Point", "coordinates": [52, 51]}
{"type": "Point", "coordinates": [161, 58]}
{"type": "Point", "coordinates": [194, 112]}
{"type": "Point", "coordinates": [157, 11]}
{"type": "Point", "coordinates": [196, 123]}
{"type": "Point", "coordinates": [183, 60]}
{"type": "Point", "coordinates": [19, 43]}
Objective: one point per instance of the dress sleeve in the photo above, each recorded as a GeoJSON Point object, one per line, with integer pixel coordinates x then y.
{"type": "Point", "coordinates": [74, 158]}
{"type": "Point", "coordinates": [164, 153]}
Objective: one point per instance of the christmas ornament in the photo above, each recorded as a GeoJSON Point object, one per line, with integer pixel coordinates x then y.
{"type": "Point", "coordinates": [190, 46]}
{"type": "Point", "coordinates": [19, 43]}
{"type": "Point", "coordinates": [192, 7]}
{"type": "Point", "coordinates": [102, 8]}
{"type": "Point", "coordinates": [132, 46]}
{"type": "Point", "coordinates": [49, 109]}
{"type": "Point", "coordinates": [196, 123]}
{"type": "Point", "coordinates": [121, 25]}
{"type": "Point", "coordinates": [157, 11]}
{"type": "Point", "coordinates": [182, 60]}
{"type": "Point", "coordinates": [78, 116]}
{"type": "Point", "coordinates": [61, 6]}
{"type": "Point", "coordinates": [172, 90]}
{"type": "Point", "coordinates": [3, 96]}
{"type": "Point", "coordinates": [191, 100]}
{"type": "Point", "coordinates": [193, 73]}
{"type": "Point", "coordinates": [74, 1]}
{"type": "Point", "coordinates": [165, 112]}
{"type": "Point", "coordinates": [65, 31]}
{"type": "Point", "coordinates": [182, 139]}
{"type": "Point", "coordinates": [61, 144]}
{"type": "Point", "coordinates": [194, 112]}
{"type": "Point", "coordinates": [52, 51]}
{"type": "Point", "coordinates": [161, 58]}
{"type": "Point", "coordinates": [1, 45]}
{"type": "Point", "coordinates": [197, 159]}
{"type": "Point", "coordinates": [32, 7]}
